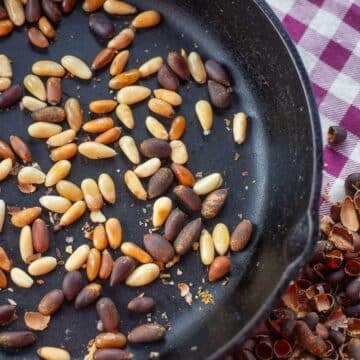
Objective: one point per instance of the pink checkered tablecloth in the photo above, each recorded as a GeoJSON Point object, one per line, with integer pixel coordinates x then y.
{"type": "Point", "coordinates": [327, 36]}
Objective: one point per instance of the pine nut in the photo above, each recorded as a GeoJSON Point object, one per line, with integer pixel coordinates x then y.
{"type": "Point", "coordinates": [109, 136]}
{"type": "Point", "coordinates": [126, 78]}
{"type": "Point", "coordinates": [51, 114]}
{"type": "Point", "coordinates": [62, 138]}
{"type": "Point", "coordinates": [169, 96]}
{"type": "Point", "coordinates": [20, 278]}
{"type": "Point", "coordinates": [107, 188]}
{"type": "Point", "coordinates": [103, 58]}
{"type": "Point", "coordinates": [57, 172]}
{"type": "Point", "coordinates": [151, 66]}
{"type": "Point", "coordinates": [75, 212]}
{"type": "Point", "coordinates": [64, 152]}
{"type": "Point", "coordinates": [239, 128]}
{"type": "Point", "coordinates": [133, 94]}
{"type": "Point", "coordinates": [2, 214]}
{"type": "Point", "coordinates": [6, 27]}
{"type": "Point", "coordinates": [125, 115]}
{"type": "Point", "coordinates": [119, 62]}
{"type": "Point", "coordinates": [116, 7]}
{"type": "Point", "coordinates": [106, 265]}
{"type": "Point", "coordinates": [183, 175]}
{"type": "Point", "coordinates": [5, 262]}
{"type": "Point", "coordinates": [6, 151]}
{"type": "Point", "coordinates": [95, 151]}
{"type": "Point", "coordinates": [53, 90]}
{"type": "Point", "coordinates": [5, 83]}
{"type": "Point", "coordinates": [197, 68]}
{"type": "Point", "coordinates": [205, 115]}
{"type": "Point", "coordinates": [148, 168]}
{"type": "Point", "coordinates": [128, 146]}
{"type": "Point", "coordinates": [213, 203]}
{"type": "Point", "coordinates": [102, 106]}
{"type": "Point", "coordinates": [78, 258]}
{"type": "Point", "coordinates": [161, 107]}
{"type": "Point", "coordinates": [92, 195]}
{"type": "Point", "coordinates": [76, 67]}
{"type": "Point", "coordinates": [5, 168]}
{"type": "Point", "coordinates": [74, 114]}
{"type": "Point", "coordinates": [35, 86]}
{"type": "Point", "coordinates": [15, 11]}
{"type": "Point", "coordinates": [42, 266]}
{"type": "Point", "coordinates": [113, 230]}
{"type": "Point", "coordinates": [207, 251]}
{"type": "Point", "coordinates": [134, 185]}
{"type": "Point", "coordinates": [99, 237]}
{"type": "Point", "coordinates": [37, 38]}
{"type": "Point", "coordinates": [25, 217]}
{"type": "Point", "coordinates": [5, 67]}
{"type": "Point", "coordinates": [48, 68]}
{"type": "Point", "coordinates": [161, 210]}
{"type": "Point", "coordinates": [147, 333]}
{"type": "Point", "coordinates": [221, 238]}
{"type": "Point", "coordinates": [40, 236]}
{"type": "Point", "coordinates": [32, 104]}
{"type": "Point", "coordinates": [26, 244]}
{"type": "Point", "coordinates": [135, 252]}
{"type": "Point", "coordinates": [20, 148]}
{"type": "Point", "coordinates": [53, 353]}
{"type": "Point", "coordinates": [122, 40]}
{"type": "Point", "coordinates": [179, 154]}
{"type": "Point", "coordinates": [146, 19]}
{"type": "Point", "coordinates": [31, 175]}
{"type": "Point", "coordinates": [93, 264]}
{"type": "Point", "coordinates": [177, 128]}
{"type": "Point", "coordinates": [46, 28]}
{"type": "Point", "coordinates": [143, 275]}
{"type": "Point", "coordinates": [43, 130]}
{"type": "Point", "coordinates": [98, 125]}
{"type": "Point", "coordinates": [92, 5]}
{"type": "Point", "coordinates": [219, 268]}
{"type": "Point", "coordinates": [69, 190]}
{"type": "Point", "coordinates": [55, 203]}
{"type": "Point", "coordinates": [97, 217]}
{"type": "Point", "coordinates": [156, 128]}
{"type": "Point", "coordinates": [208, 184]}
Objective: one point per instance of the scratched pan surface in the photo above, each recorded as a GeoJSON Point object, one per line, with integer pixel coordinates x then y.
{"type": "Point", "coordinates": [275, 182]}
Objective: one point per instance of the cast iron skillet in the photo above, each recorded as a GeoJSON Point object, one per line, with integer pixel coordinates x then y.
{"type": "Point", "coordinates": [275, 183]}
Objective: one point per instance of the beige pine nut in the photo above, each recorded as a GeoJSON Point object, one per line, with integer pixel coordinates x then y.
{"type": "Point", "coordinates": [5, 83]}
{"type": "Point", "coordinates": [146, 19]}
{"type": "Point", "coordinates": [20, 278]}
{"type": "Point", "coordinates": [113, 230]}
{"type": "Point", "coordinates": [102, 106]}
{"type": "Point", "coordinates": [116, 7]}
{"type": "Point", "coordinates": [161, 211]}
{"type": "Point", "coordinates": [15, 10]}
{"type": "Point", "coordinates": [95, 151]}
{"type": "Point", "coordinates": [53, 353]}
{"type": "Point", "coordinates": [62, 138]}
{"type": "Point", "coordinates": [107, 188]}
{"type": "Point", "coordinates": [136, 252]}
{"type": "Point", "coordinates": [109, 136]}
{"type": "Point", "coordinates": [46, 28]}
{"type": "Point", "coordinates": [64, 152]}
{"type": "Point", "coordinates": [161, 107]}
{"type": "Point", "coordinates": [42, 266]}
{"type": "Point", "coordinates": [78, 258]}
{"type": "Point", "coordinates": [97, 217]}
{"type": "Point", "coordinates": [134, 185]}
{"type": "Point", "coordinates": [74, 114]}
{"type": "Point", "coordinates": [48, 68]}
{"type": "Point", "coordinates": [151, 66]}
{"type": "Point", "coordinates": [119, 62]}
{"type": "Point", "coordinates": [133, 94]}
{"type": "Point", "coordinates": [69, 190]}
{"type": "Point", "coordinates": [208, 184]}
{"type": "Point", "coordinates": [92, 195]}
{"type": "Point", "coordinates": [126, 78]}
{"type": "Point", "coordinates": [32, 104]}
{"type": "Point", "coordinates": [76, 67]}
{"type": "Point", "coordinates": [125, 115]}
{"type": "Point", "coordinates": [43, 130]}
{"type": "Point", "coordinates": [156, 128]}
{"type": "Point", "coordinates": [5, 168]}
{"type": "Point", "coordinates": [179, 154]}
{"type": "Point", "coordinates": [5, 67]}
{"type": "Point", "coordinates": [26, 244]}
{"type": "Point", "coordinates": [57, 172]}
{"type": "Point", "coordinates": [143, 275]}
{"type": "Point", "coordinates": [204, 113]}
{"type": "Point", "coordinates": [31, 175]}
{"type": "Point", "coordinates": [98, 125]}
{"type": "Point", "coordinates": [148, 168]}
{"type": "Point", "coordinates": [207, 251]}
{"type": "Point", "coordinates": [221, 238]}
{"type": "Point", "coordinates": [122, 40]}
{"type": "Point", "coordinates": [35, 86]}
{"type": "Point", "coordinates": [128, 147]}
{"type": "Point", "coordinates": [75, 212]}
{"type": "Point", "coordinates": [2, 214]}
{"type": "Point", "coordinates": [239, 128]}
{"type": "Point", "coordinates": [25, 217]}
{"type": "Point", "coordinates": [197, 68]}
{"type": "Point", "coordinates": [55, 203]}
{"type": "Point", "coordinates": [169, 96]}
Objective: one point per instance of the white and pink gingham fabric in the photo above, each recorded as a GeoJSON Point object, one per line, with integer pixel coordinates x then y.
{"type": "Point", "coordinates": [327, 36]}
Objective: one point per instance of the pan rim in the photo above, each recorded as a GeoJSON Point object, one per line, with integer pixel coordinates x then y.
{"type": "Point", "coordinates": [312, 212]}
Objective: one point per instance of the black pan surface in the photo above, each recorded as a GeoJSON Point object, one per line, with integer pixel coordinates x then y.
{"type": "Point", "coordinates": [275, 182]}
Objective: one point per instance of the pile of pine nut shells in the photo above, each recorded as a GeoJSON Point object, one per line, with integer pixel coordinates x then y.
{"type": "Point", "coordinates": [176, 230]}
